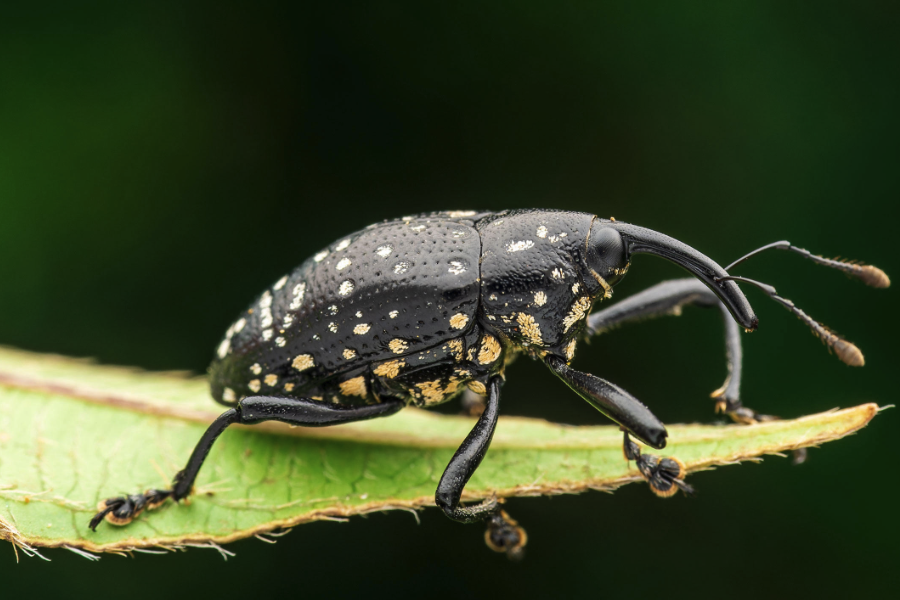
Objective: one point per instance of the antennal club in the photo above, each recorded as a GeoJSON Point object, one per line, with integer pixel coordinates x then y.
{"type": "Point", "coordinates": [868, 274]}
{"type": "Point", "coordinates": [845, 350]}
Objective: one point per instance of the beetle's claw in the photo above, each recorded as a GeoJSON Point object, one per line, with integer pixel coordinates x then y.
{"type": "Point", "coordinates": [665, 475]}
{"type": "Point", "coordinates": [738, 412]}
{"type": "Point", "coordinates": [123, 509]}
{"type": "Point", "coordinates": [504, 534]}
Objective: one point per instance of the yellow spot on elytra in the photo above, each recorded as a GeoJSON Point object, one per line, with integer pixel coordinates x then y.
{"type": "Point", "coordinates": [456, 348]}
{"type": "Point", "coordinates": [389, 369]}
{"type": "Point", "coordinates": [354, 387]}
{"type": "Point", "coordinates": [349, 353]}
{"type": "Point", "coordinates": [271, 379]}
{"type": "Point", "coordinates": [398, 346]}
{"type": "Point", "coordinates": [477, 387]}
{"type": "Point", "coordinates": [289, 387]}
{"type": "Point", "coordinates": [434, 392]}
{"type": "Point", "coordinates": [530, 329]}
{"type": "Point", "coordinates": [490, 350]}
{"type": "Point", "coordinates": [576, 312]}
{"type": "Point", "coordinates": [228, 395]}
{"type": "Point", "coordinates": [303, 362]}
{"type": "Point", "coordinates": [540, 298]}
{"type": "Point", "coordinates": [254, 385]}
{"type": "Point", "coordinates": [255, 369]}
{"type": "Point", "coordinates": [458, 321]}
{"type": "Point", "coordinates": [361, 329]}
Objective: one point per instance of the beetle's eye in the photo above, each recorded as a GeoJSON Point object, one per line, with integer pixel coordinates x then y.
{"type": "Point", "coordinates": [606, 253]}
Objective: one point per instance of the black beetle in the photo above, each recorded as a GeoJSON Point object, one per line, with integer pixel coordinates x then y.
{"type": "Point", "coordinates": [414, 311]}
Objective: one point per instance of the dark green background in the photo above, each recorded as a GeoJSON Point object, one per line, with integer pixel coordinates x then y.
{"type": "Point", "coordinates": [159, 165]}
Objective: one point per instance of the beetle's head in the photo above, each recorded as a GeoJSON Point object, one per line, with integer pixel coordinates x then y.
{"type": "Point", "coordinates": [611, 245]}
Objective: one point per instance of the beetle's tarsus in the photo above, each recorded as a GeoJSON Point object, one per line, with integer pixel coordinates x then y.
{"type": "Point", "coordinates": [124, 509]}
{"type": "Point", "coordinates": [503, 534]}
{"type": "Point", "coordinates": [742, 414]}
{"type": "Point", "coordinates": [664, 474]}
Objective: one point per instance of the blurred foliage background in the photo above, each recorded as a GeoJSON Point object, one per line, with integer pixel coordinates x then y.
{"type": "Point", "coordinates": [161, 162]}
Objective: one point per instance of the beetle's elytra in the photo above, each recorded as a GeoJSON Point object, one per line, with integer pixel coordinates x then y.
{"type": "Point", "coordinates": [417, 310]}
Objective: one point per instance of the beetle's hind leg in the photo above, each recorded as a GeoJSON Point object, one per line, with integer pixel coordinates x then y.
{"type": "Point", "coordinates": [503, 533]}
{"type": "Point", "coordinates": [255, 409]}
{"type": "Point", "coordinates": [668, 298]}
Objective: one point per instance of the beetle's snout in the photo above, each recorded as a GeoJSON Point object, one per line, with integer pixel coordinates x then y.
{"type": "Point", "coordinates": [640, 240]}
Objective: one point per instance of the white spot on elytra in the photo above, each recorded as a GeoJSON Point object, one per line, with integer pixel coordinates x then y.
{"type": "Point", "coordinates": [519, 246]}
{"type": "Point", "coordinates": [267, 334]}
{"type": "Point", "coordinates": [280, 283]}
{"type": "Point", "coordinates": [359, 314]}
{"type": "Point", "coordinates": [349, 354]}
{"type": "Point", "coordinates": [346, 288]}
{"type": "Point", "coordinates": [332, 327]}
{"type": "Point", "coordinates": [361, 329]}
{"type": "Point", "coordinates": [255, 369]}
{"type": "Point", "coordinates": [299, 292]}
{"type": "Point", "coordinates": [393, 314]}
{"type": "Point", "coordinates": [280, 341]}
{"type": "Point", "coordinates": [320, 256]}
{"type": "Point", "coordinates": [457, 267]}
{"type": "Point", "coordinates": [271, 379]}
{"type": "Point", "coordinates": [224, 348]}
{"type": "Point", "coordinates": [343, 244]}
{"type": "Point", "coordinates": [458, 234]}
{"type": "Point", "coordinates": [553, 238]}
{"type": "Point", "coordinates": [343, 264]}
{"type": "Point", "coordinates": [288, 321]}
{"type": "Point", "coordinates": [333, 309]}
{"type": "Point", "coordinates": [575, 288]}
{"type": "Point", "coordinates": [540, 298]}
{"type": "Point", "coordinates": [265, 317]}
{"type": "Point", "coordinates": [239, 324]}
{"type": "Point", "coordinates": [557, 274]}
{"type": "Point", "coordinates": [265, 301]}
{"type": "Point", "coordinates": [542, 232]}
{"type": "Point", "coordinates": [401, 267]}
{"type": "Point", "coordinates": [254, 385]}
{"type": "Point", "coordinates": [228, 395]}
{"type": "Point", "coordinates": [417, 228]}
{"type": "Point", "coordinates": [384, 251]}
{"type": "Point", "coordinates": [456, 214]}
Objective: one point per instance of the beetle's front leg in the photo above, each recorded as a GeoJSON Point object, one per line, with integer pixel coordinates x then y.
{"type": "Point", "coordinates": [665, 475]}
{"type": "Point", "coordinates": [668, 298]}
{"type": "Point", "coordinates": [503, 534]}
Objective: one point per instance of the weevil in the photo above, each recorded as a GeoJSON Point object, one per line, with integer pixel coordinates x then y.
{"type": "Point", "coordinates": [415, 311]}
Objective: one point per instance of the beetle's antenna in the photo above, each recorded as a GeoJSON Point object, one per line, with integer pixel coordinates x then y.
{"type": "Point", "coordinates": [868, 274]}
{"type": "Point", "coordinates": [845, 350]}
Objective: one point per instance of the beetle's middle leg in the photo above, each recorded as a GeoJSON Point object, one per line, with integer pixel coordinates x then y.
{"type": "Point", "coordinates": [249, 411]}
{"type": "Point", "coordinates": [665, 475]}
{"type": "Point", "coordinates": [668, 298]}
{"type": "Point", "coordinates": [503, 534]}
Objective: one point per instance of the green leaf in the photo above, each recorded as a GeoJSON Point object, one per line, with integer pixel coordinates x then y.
{"type": "Point", "coordinates": [73, 433]}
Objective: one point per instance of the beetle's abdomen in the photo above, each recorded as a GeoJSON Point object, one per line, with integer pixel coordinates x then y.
{"type": "Point", "coordinates": [384, 292]}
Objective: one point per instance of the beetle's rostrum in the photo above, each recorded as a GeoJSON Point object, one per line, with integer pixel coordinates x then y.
{"type": "Point", "coordinates": [417, 310]}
